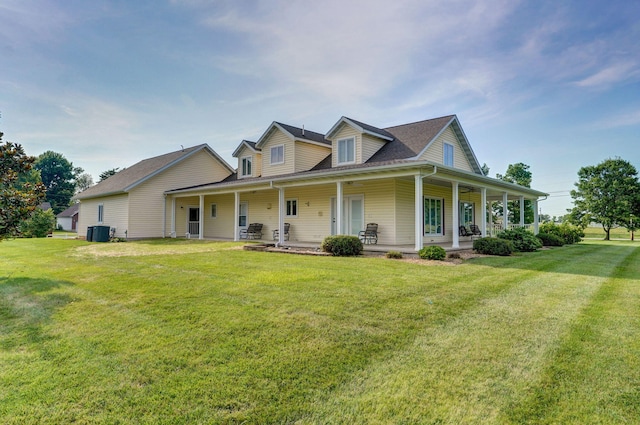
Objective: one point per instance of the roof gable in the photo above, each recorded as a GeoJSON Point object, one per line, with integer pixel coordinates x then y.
{"type": "Point", "coordinates": [293, 133]}
{"type": "Point", "coordinates": [245, 144]}
{"type": "Point", "coordinates": [130, 177]}
{"type": "Point", "coordinates": [361, 127]}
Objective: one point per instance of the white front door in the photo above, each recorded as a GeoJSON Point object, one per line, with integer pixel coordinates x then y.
{"type": "Point", "coordinates": [352, 215]}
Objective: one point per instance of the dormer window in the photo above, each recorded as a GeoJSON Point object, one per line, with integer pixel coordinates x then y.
{"type": "Point", "coordinates": [347, 151]}
{"type": "Point", "coordinates": [277, 155]}
{"type": "Point", "coordinates": [246, 166]}
{"type": "Point", "coordinates": [448, 155]}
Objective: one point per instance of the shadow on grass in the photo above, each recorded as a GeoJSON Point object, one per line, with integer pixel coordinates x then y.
{"type": "Point", "coordinates": [26, 306]}
{"type": "Point", "coordinates": [598, 259]}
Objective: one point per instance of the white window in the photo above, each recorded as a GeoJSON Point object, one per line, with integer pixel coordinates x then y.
{"type": "Point", "coordinates": [100, 213]}
{"type": "Point", "coordinates": [347, 150]}
{"type": "Point", "coordinates": [246, 166]}
{"type": "Point", "coordinates": [214, 210]}
{"type": "Point", "coordinates": [448, 154]}
{"type": "Point", "coordinates": [291, 208]}
{"type": "Point", "coordinates": [466, 214]}
{"type": "Point", "coordinates": [277, 154]}
{"type": "Point", "coordinates": [433, 224]}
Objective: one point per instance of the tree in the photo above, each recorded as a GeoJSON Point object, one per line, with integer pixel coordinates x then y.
{"type": "Point", "coordinates": [485, 169]}
{"type": "Point", "coordinates": [18, 199]}
{"type": "Point", "coordinates": [59, 177]}
{"type": "Point", "coordinates": [517, 173]}
{"type": "Point", "coordinates": [83, 181]}
{"type": "Point", "coordinates": [606, 194]}
{"type": "Point", "coordinates": [106, 174]}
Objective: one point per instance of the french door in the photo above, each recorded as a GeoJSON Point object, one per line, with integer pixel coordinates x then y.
{"type": "Point", "coordinates": [352, 215]}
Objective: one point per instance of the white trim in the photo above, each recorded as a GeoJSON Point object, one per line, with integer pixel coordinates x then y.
{"type": "Point", "coordinates": [345, 120]}
{"type": "Point", "coordinates": [271, 154]}
{"type": "Point", "coordinates": [445, 148]}
{"type": "Point", "coordinates": [455, 218]}
{"type": "Point", "coordinates": [345, 139]}
{"type": "Point", "coordinates": [211, 205]}
{"type": "Point", "coordinates": [286, 202]}
{"type": "Point", "coordinates": [100, 213]}
{"type": "Point", "coordinates": [241, 167]}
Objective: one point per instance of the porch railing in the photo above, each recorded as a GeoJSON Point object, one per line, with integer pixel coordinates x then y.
{"type": "Point", "coordinates": [494, 229]}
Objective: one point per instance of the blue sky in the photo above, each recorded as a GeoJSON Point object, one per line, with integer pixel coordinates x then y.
{"type": "Point", "coordinates": [553, 84]}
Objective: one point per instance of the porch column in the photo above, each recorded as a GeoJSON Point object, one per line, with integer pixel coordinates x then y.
{"type": "Point", "coordinates": [522, 211]}
{"type": "Point", "coordinates": [201, 218]}
{"type": "Point", "coordinates": [505, 211]}
{"type": "Point", "coordinates": [455, 220]}
{"type": "Point", "coordinates": [483, 211]}
{"type": "Point", "coordinates": [536, 218]}
{"type": "Point", "coordinates": [491, 218]}
{"type": "Point", "coordinates": [173, 217]}
{"type": "Point", "coordinates": [236, 225]}
{"type": "Point", "coordinates": [419, 211]}
{"type": "Point", "coordinates": [339, 208]}
{"type": "Point", "coordinates": [281, 209]}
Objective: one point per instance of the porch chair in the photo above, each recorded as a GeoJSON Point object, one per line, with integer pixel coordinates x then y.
{"type": "Point", "coordinates": [475, 230]}
{"type": "Point", "coordinates": [464, 231]}
{"type": "Point", "coordinates": [370, 234]}
{"type": "Point", "coordinates": [254, 231]}
{"type": "Point", "coordinates": [276, 233]}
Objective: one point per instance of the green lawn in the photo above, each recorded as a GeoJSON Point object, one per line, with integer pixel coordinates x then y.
{"type": "Point", "coordinates": [596, 232]}
{"type": "Point", "coordinates": [204, 332]}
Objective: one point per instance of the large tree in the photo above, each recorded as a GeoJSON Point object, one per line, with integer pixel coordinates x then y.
{"type": "Point", "coordinates": [606, 193]}
{"type": "Point", "coordinates": [83, 181]}
{"type": "Point", "coordinates": [106, 174]}
{"type": "Point", "coordinates": [18, 196]}
{"type": "Point", "coordinates": [517, 173]}
{"type": "Point", "coordinates": [59, 177]}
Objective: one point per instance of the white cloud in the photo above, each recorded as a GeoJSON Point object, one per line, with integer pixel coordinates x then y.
{"type": "Point", "coordinates": [612, 74]}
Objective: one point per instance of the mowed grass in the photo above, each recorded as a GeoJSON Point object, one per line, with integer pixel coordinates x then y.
{"type": "Point", "coordinates": [203, 332]}
{"type": "Point", "coordinates": [596, 232]}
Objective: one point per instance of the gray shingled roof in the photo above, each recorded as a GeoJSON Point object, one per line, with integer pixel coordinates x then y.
{"type": "Point", "coordinates": [70, 212]}
{"type": "Point", "coordinates": [299, 133]}
{"type": "Point", "coordinates": [131, 176]}
{"type": "Point", "coordinates": [410, 139]}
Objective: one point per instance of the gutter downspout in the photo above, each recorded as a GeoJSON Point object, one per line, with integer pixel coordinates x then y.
{"type": "Point", "coordinates": [419, 207]}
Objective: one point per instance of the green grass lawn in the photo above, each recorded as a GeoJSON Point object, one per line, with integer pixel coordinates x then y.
{"type": "Point", "coordinates": [204, 332]}
{"type": "Point", "coordinates": [596, 232]}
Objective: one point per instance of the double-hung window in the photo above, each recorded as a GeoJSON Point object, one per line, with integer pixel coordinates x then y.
{"type": "Point", "coordinates": [347, 151]}
{"type": "Point", "coordinates": [448, 154]}
{"type": "Point", "coordinates": [433, 225]}
{"type": "Point", "coordinates": [246, 166]}
{"type": "Point", "coordinates": [291, 207]}
{"type": "Point", "coordinates": [277, 154]}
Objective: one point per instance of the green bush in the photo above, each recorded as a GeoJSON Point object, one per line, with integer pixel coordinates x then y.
{"type": "Point", "coordinates": [493, 246]}
{"type": "Point", "coordinates": [523, 240]}
{"type": "Point", "coordinates": [394, 254]}
{"type": "Point", "coordinates": [549, 239]}
{"type": "Point", "coordinates": [39, 225]}
{"type": "Point", "coordinates": [570, 233]}
{"type": "Point", "coordinates": [342, 245]}
{"type": "Point", "coordinates": [432, 253]}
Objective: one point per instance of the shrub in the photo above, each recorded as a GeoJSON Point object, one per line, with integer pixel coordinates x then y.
{"type": "Point", "coordinates": [432, 253]}
{"type": "Point", "coordinates": [39, 225]}
{"type": "Point", "coordinates": [570, 233]}
{"type": "Point", "coordinates": [342, 245]}
{"type": "Point", "coordinates": [549, 239]}
{"type": "Point", "coordinates": [394, 254]}
{"type": "Point", "coordinates": [454, 256]}
{"type": "Point", "coordinates": [523, 240]}
{"type": "Point", "coordinates": [493, 246]}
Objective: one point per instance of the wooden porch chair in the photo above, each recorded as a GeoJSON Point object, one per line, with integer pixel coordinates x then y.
{"type": "Point", "coordinates": [276, 233]}
{"type": "Point", "coordinates": [370, 234]}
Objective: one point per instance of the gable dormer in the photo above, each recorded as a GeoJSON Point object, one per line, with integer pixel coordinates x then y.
{"type": "Point", "coordinates": [249, 160]}
{"type": "Point", "coordinates": [287, 149]}
{"type": "Point", "coordinates": [354, 142]}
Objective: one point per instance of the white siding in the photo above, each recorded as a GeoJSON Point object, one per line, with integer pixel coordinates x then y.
{"type": "Point", "coordinates": [308, 156]}
{"type": "Point", "coordinates": [256, 163]}
{"type": "Point", "coordinates": [370, 145]}
{"type": "Point", "coordinates": [276, 138]}
{"type": "Point", "coordinates": [435, 151]}
{"type": "Point", "coordinates": [115, 214]}
{"type": "Point", "coordinates": [146, 201]}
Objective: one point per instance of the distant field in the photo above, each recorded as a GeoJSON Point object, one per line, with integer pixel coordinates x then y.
{"type": "Point", "coordinates": [617, 233]}
{"type": "Point", "coordinates": [186, 331]}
